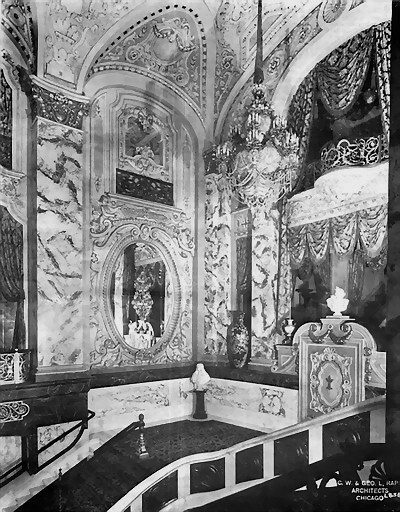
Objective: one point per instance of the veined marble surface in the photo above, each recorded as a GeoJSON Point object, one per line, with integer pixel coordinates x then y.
{"type": "Point", "coordinates": [252, 405]}
{"type": "Point", "coordinates": [59, 244]}
{"type": "Point", "coordinates": [50, 432]}
{"type": "Point", "coordinates": [10, 449]}
{"type": "Point", "coordinates": [217, 265]}
{"type": "Point", "coordinates": [161, 401]}
{"type": "Point", "coordinates": [265, 260]}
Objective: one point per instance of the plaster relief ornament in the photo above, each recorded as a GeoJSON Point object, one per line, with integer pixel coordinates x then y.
{"type": "Point", "coordinates": [337, 302]}
{"type": "Point", "coordinates": [200, 378]}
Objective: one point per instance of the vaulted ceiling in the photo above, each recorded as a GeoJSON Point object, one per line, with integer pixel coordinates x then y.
{"type": "Point", "coordinates": [203, 50]}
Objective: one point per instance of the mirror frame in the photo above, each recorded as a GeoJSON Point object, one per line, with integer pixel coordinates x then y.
{"type": "Point", "coordinates": [105, 283]}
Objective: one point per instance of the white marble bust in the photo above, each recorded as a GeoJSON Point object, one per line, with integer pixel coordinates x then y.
{"type": "Point", "coordinates": [200, 378]}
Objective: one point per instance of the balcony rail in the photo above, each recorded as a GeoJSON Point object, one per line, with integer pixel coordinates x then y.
{"type": "Point", "coordinates": [14, 366]}
{"type": "Point", "coordinates": [206, 477]}
{"type": "Point", "coordinates": [359, 152]}
{"type": "Point", "coordinates": [31, 464]}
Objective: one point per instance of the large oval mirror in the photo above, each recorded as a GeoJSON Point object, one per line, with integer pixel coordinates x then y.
{"type": "Point", "coordinates": [141, 296]}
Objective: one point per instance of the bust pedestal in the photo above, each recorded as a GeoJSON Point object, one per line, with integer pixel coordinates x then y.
{"type": "Point", "coordinates": [200, 410]}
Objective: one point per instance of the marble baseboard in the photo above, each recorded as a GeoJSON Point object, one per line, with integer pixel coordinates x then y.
{"type": "Point", "coordinates": [160, 402]}
{"type": "Point", "coordinates": [10, 449]}
{"type": "Point", "coordinates": [252, 405]}
{"type": "Point", "coordinates": [101, 378]}
{"type": "Point", "coordinates": [257, 374]}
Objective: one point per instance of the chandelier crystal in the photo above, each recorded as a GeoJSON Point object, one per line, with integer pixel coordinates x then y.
{"type": "Point", "coordinates": [260, 157]}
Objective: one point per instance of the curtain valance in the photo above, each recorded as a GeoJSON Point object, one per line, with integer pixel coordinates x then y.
{"type": "Point", "coordinates": [342, 73]}
{"type": "Point", "coordinates": [365, 228]}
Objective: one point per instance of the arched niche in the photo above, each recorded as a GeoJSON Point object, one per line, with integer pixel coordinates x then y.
{"type": "Point", "coordinates": [112, 99]}
{"type": "Point", "coordinates": [133, 219]}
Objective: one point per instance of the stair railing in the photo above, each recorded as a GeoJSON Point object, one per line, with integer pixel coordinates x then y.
{"type": "Point", "coordinates": [205, 477]}
{"type": "Point", "coordinates": [344, 468]}
{"type": "Point", "coordinates": [32, 466]}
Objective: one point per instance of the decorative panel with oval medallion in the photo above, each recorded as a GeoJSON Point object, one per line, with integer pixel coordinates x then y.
{"type": "Point", "coordinates": [141, 283]}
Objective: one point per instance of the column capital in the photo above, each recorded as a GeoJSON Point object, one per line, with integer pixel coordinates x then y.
{"type": "Point", "coordinates": [46, 101]}
{"type": "Point", "coordinates": [59, 108]}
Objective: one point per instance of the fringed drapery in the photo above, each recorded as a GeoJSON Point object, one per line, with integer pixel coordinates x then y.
{"type": "Point", "coordinates": [382, 33]}
{"type": "Point", "coordinates": [356, 277]}
{"type": "Point", "coordinates": [300, 114]}
{"type": "Point", "coordinates": [11, 270]}
{"type": "Point", "coordinates": [342, 73]}
{"type": "Point", "coordinates": [315, 240]}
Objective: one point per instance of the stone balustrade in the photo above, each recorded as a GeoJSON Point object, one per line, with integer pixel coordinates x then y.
{"type": "Point", "coordinates": [14, 366]}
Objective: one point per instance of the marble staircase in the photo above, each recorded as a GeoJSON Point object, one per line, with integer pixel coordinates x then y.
{"type": "Point", "coordinates": [26, 486]}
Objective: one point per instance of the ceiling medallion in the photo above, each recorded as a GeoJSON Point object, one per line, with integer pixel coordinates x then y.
{"type": "Point", "coordinates": [333, 9]}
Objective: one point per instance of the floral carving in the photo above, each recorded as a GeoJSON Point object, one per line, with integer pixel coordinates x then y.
{"type": "Point", "coordinates": [167, 49]}
{"type": "Point", "coordinates": [333, 9]}
{"type": "Point", "coordinates": [73, 29]}
{"type": "Point", "coordinates": [176, 29]}
{"type": "Point", "coordinates": [226, 72]}
{"type": "Point", "coordinates": [57, 107]}
{"type": "Point", "coordinates": [271, 402]}
{"type": "Point", "coordinates": [17, 20]}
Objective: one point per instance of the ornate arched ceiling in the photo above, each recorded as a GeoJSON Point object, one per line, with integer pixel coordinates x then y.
{"type": "Point", "coordinates": [202, 49]}
{"type": "Point", "coordinates": [170, 47]}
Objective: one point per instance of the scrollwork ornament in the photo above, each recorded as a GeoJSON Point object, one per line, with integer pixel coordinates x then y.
{"type": "Point", "coordinates": [318, 401]}
{"type": "Point", "coordinates": [338, 332]}
{"type": "Point", "coordinates": [13, 411]}
{"type": "Point", "coordinates": [116, 224]}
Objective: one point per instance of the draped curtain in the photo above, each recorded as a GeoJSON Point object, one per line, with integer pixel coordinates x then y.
{"type": "Point", "coordinates": [300, 114]}
{"type": "Point", "coordinates": [341, 74]}
{"type": "Point", "coordinates": [382, 34]}
{"type": "Point", "coordinates": [11, 270]}
{"type": "Point", "coordinates": [356, 278]}
{"type": "Point", "coordinates": [314, 240]}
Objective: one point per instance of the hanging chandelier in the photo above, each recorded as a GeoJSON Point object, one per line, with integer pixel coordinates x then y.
{"type": "Point", "coordinates": [260, 157]}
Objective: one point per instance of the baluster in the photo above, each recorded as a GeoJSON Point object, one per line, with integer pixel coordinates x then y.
{"type": "Point", "coordinates": [377, 426]}
{"type": "Point", "coordinates": [142, 451]}
{"type": "Point", "coordinates": [268, 459]}
{"type": "Point", "coordinates": [230, 470]}
{"type": "Point", "coordinates": [184, 481]}
{"type": "Point", "coordinates": [315, 443]}
{"type": "Point", "coordinates": [17, 367]}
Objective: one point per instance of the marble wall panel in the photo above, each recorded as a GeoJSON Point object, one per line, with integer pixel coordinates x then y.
{"type": "Point", "coordinates": [264, 281]}
{"type": "Point", "coordinates": [217, 264]}
{"type": "Point", "coordinates": [159, 401]}
{"type": "Point", "coordinates": [59, 244]}
{"type": "Point", "coordinates": [252, 405]}
{"type": "Point", "coordinates": [10, 449]}
{"type": "Point", "coordinates": [50, 432]}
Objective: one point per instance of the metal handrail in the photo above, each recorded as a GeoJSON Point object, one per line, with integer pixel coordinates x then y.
{"type": "Point", "coordinates": [19, 468]}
